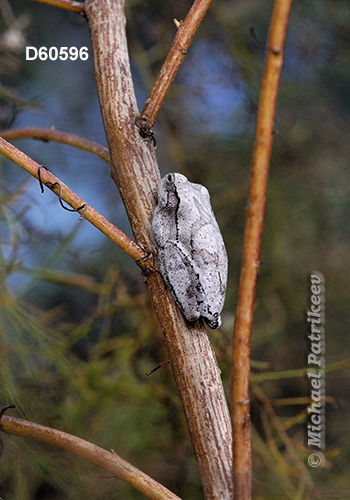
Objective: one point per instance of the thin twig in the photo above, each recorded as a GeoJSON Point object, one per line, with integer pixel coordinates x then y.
{"type": "Point", "coordinates": [256, 41]}
{"type": "Point", "coordinates": [72, 199]}
{"type": "Point", "coordinates": [71, 5]}
{"type": "Point", "coordinates": [185, 33]}
{"type": "Point", "coordinates": [283, 436]}
{"type": "Point", "coordinates": [250, 263]}
{"type": "Point", "coordinates": [107, 460]}
{"type": "Point", "coordinates": [301, 372]}
{"type": "Point", "coordinates": [51, 134]}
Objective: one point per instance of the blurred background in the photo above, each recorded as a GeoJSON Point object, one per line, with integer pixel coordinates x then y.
{"type": "Point", "coordinates": [77, 331]}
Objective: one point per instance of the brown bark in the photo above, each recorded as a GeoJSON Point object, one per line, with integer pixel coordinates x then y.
{"type": "Point", "coordinates": [107, 460]}
{"type": "Point", "coordinates": [240, 405]}
{"type": "Point", "coordinates": [135, 171]}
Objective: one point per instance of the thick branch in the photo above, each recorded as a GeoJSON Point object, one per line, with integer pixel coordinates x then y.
{"type": "Point", "coordinates": [251, 252]}
{"type": "Point", "coordinates": [135, 171]}
{"type": "Point", "coordinates": [51, 134]}
{"type": "Point", "coordinates": [106, 460]}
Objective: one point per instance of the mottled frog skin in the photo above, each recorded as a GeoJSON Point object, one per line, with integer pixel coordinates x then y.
{"type": "Point", "coordinates": [191, 253]}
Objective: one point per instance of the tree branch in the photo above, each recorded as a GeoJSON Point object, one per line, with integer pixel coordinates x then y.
{"type": "Point", "coordinates": [106, 460]}
{"type": "Point", "coordinates": [135, 171]}
{"type": "Point", "coordinates": [51, 134]}
{"type": "Point", "coordinates": [251, 253]}
{"type": "Point", "coordinates": [185, 33]}
{"type": "Point", "coordinates": [71, 5]}
{"type": "Point", "coordinates": [67, 195]}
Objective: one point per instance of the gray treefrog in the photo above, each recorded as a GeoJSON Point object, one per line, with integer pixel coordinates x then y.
{"type": "Point", "coordinates": [191, 253]}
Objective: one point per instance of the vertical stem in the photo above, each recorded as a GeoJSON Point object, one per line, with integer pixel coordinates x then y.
{"type": "Point", "coordinates": [135, 171]}
{"type": "Point", "coordinates": [133, 162]}
{"type": "Point", "coordinates": [240, 405]}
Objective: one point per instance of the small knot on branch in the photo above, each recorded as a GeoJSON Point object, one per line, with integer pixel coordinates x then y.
{"type": "Point", "coordinates": [145, 129]}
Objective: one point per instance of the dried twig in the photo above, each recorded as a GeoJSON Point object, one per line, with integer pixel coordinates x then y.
{"type": "Point", "coordinates": [185, 33]}
{"type": "Point", "coordinates": [72, 199]}
{"type": "Point", "coordinates": [51, 134]}
{"type": "Point", "coordinates": [71, 5]}
{"type": "Point", "coordinates": [251, 254]}
{"type": "Point", "coordinates": [107, 460]}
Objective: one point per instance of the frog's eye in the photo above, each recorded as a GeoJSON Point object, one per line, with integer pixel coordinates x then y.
{"type": "Point", "coordinates": [170, 179]}
{"type": "Point", "coordinates": [170, 182]}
